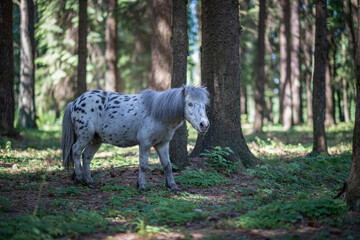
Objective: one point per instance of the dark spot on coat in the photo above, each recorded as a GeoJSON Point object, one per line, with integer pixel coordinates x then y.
{"type": "Point", "coordinates": [97, 101]}
{"type": "Point", "coordinates": [83, 105]}
{"type": "Point", "coordinates": [116, 102]}
{"type": "Point", "coordinates": [114, 112]}
{"type": "Point", "coordinates": [92, 110]}
{"type": "Point", "coordinates": [100, 107]}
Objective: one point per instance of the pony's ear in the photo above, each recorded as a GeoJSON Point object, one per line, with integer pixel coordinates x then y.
{"type": "Point", "coordinates": [184, 90]}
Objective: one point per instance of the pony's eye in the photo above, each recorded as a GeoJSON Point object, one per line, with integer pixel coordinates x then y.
{"type": "Point", "coordinates": [190, 104]}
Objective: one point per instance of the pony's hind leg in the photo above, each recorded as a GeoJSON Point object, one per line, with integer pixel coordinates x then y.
{"type": "Point", "coordinates": [77, 149]}
{"type": "Point", "coordinates": [87, 156]}
{"type": "Point", "coordinates": [163, 151]}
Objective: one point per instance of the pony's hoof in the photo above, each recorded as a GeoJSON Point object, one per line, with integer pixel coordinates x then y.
{"type": "Point", "coordinates": [140, 188]}
{"type": "Point", "coordinates": [172, 187]}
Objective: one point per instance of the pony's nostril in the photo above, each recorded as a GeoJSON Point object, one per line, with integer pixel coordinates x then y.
{"type": "Point", "coordinates": [201, 125]}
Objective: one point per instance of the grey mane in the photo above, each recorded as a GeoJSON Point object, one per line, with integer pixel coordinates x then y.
{"type": "Point", "coordinates": [169, 105]}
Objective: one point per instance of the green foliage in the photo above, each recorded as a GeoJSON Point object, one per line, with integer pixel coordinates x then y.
{"type": "Point", "coordinates": [217, 158]}
{"type": "Point", "coordinates": [282, 215]}
{"type": "Point", "coordinates": [68, 191]}
{"type": "Point", "coordinates": [4, 204]}
{"type": "Point", "coordinates": [199, 178]}
{"type": "Point", "coordinates": [51, 227]}
{"type": "Point", "coordinates": [173, 211]}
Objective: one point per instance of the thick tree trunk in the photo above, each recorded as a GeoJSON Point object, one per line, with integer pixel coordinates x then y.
{"type": "Point", "coordinates": [220, 71]}
{"type": "Point", "coordinates": [7, 100]}
{"type": "Point", "coordinates": [111, 53]}
{"type": "Point", "coordinates": [82, 48]}
{"type": "Point", "coordinates": [329, 104]}
{"type": "Point", "coordinates": [349, 25]}
{"type": "Point", "coordinates": [285, 66]}
{"type": "Point", "coordinates": [295, 64]}
{"type": "Point", "coordinates": [160, 45]}
{"type": "Point", "coordinates": [180, 45]}
{"type": "Point", "coordinates": [243, 99]}
{"type": "Point", "coordinates": [352, 196]}
{"type": "Point", "coordinates": [260, 80]}
{"type": "Point", "coordinates": [26, 103]}
{"type": "Point", "coordinates": [320, 142]}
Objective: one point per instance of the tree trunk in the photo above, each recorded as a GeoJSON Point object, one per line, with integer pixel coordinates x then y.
{"type": "Point", "coordinates": [320, 142]}
{"type": "Point", "coordinates": [352, 196]}
{"type": "Point", "coordinates": [111, 53]}
{"type": "Point", "coordinates": [160, 45]}
{"type": "Point", "coordinates": [329, 104]}
{"type": "Point", "coordinates": [243, 99]}
{"type": "Point", "coordinates": [295, 64]}
{"type": "Point", "coordinates": [27, 114]}
{"type": "Point", "coordinates": [344, 84]}
{"type": "Point", "coordinates": [220, 71]}
{"type": "Point", "coordinates": [260, 80]}
{"type": "Point", "coordinates": [7, 100]}
{"type": "Point", "coordinates": [341, 115]}
{"type": "Point", "coordinates": [349, 25]}
{"type": "Point", "coordinates": [180, 46]}
{"type": "Point", "coordinates": [285, 67]}
{"type": "Point", "coordinates": [82, 49]}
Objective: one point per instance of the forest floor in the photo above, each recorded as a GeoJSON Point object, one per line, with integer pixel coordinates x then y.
{"type": "Point", "coordinates": [290, 196]}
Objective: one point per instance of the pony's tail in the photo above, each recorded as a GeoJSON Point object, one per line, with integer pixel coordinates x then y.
{"type": "Point", "coordinates": [68, 138]}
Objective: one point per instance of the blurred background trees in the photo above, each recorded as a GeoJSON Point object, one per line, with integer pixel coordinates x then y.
{"type": "Point", "coordinates": [124, 40]}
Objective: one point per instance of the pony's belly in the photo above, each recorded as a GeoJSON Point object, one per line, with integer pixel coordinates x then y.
{"type": "Point", "coordinates": [119, 138]}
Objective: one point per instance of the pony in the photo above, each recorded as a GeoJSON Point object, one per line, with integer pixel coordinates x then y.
{"type": "Point", "coordinates": [148, 119]}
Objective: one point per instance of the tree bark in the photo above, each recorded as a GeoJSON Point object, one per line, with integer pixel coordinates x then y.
{"type": "Point", "coordinates": [329, 104]}
{"type": "Point", "coordinates": [320, 142]}
{"type": "Point", "coordinates": [82, 48]}
{"type": "Point", "coordinates": [307, 49]}
{"type": "Point", "coordinates": [352, 196]}
{"type": "Point", "coordinates": [344, 84]}
{"type": "Point", "coordinates": [160, 45]}
{"type": "Point", "coordinates": [295, 64]}
{"type": "Point", "coordinates": [260, 80]}
{"type": "Point", "coordinates": [26, 103]}
{"type": "Point", "coordinates": [285, 65]}
{"type": "Point", "coordinates": [111, 52]}
{"type": "Point", "coordinates": [220, 71]}
{"type": "Point", "coordinates": [180, 46]}
{"type": "Point", "coordinates": [7, 100]}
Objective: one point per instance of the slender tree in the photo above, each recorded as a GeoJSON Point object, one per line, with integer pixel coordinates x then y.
{"type": "Point", "coordinates": [285, 67]}
{"type": "Point", "coordinates": [82, 48]}
{"type": "Point", "coordinates": [160, 45]}
{"type": "Point", "coordinates": [260, 66]}
{"type": "Point", "coordinates": [352, 191]}
{"type": "Point", "coordinates": [7, 100]}
{"type": "Point", "coordinates": [308, 47]}
{"type": "Point", "coordinates": [295, 63]}
{"type": "Point", "coordinates": [329, 103]}
{"type": "Point", "coordinates": [111, 53]}
{"type": "Point", "coordinates": [27, 113]}
{"type": "Point", "coordinates": [180, 45]}
{"type": "Point", "coordinates": [344, 83]}
{"type": "Point", "coordinates": [220, 71]}
{"type": "Point", "coordinates": [320, 142]}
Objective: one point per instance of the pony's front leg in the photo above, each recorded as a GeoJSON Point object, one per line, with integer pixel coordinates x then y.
{"type": "Point", "coordinates": [163, 151]}
{"type": "Point", "coordinates": [144, 165]}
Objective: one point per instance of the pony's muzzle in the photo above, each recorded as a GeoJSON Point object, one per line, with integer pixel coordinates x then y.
{"type": "Point", "coordinates": [204, 126]}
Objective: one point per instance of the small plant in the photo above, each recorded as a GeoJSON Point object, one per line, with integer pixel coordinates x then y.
{"type": "Point", "coordinates": [172, 211]}
{"type": "Point", "coordinates": [199, 178]}
{"type": "Point", "coordinates": [218, 158]}
{"type": "Point", "coordinates": [67, 191]}
{"type": "Point", "coordinates": [4, 204]}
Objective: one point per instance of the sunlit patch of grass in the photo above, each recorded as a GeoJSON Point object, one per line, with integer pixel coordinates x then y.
{"type": "Point", "coordinates": [283, 215]}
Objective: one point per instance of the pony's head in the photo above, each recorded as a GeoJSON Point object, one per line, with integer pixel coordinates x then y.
{"type": "Point", "coordinates": [196, 100]}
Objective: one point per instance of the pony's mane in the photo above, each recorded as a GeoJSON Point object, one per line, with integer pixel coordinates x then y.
{"type": "Point", "coordinates": [169, 105]}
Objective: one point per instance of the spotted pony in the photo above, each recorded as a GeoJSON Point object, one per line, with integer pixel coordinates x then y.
{"type": "Point", "coordinates": [148, 119]}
